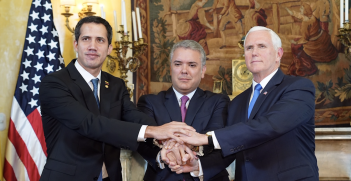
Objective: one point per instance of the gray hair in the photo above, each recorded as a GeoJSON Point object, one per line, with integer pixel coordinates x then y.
{"type": "Point", "coordinates": [277, 42]}
{"type": "Point", "coordinates": [189, 44]}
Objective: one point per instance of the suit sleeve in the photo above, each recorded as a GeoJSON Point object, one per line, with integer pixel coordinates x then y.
{"type": "Point", "coordinates": [213, 162]}
{"type": "Point", "coordinates": [59, 104]}
{"type": "Point", "coordinates": [131, 113]}
{"type": "Point", "coordinates": [291, 108]}
{"type": "Point", "coordinates": [147, 149]}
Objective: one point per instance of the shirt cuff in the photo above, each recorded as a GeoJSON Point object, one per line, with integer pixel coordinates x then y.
{"type": "Point", "coordinates": [198, 173]}
{"type": "Point", "coordinates": [160, 163]}
{"type": "Point", "coordinates": [215, 141]}
{"type": "Point", "coordinates": [141, 135]}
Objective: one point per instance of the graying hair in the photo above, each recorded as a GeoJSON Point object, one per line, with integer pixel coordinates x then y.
{"type": "Point", "coordinates": [189, 44]}
{"type": "Point", "coordinates": [277, 42]}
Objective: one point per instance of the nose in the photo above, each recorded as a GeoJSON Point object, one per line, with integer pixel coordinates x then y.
{"type": "Point", "coordinates": [254, 51]}
{"type": "Point", "coordinates": [92, 45]}
{"type": "Point", "coordinates": [184, 69]}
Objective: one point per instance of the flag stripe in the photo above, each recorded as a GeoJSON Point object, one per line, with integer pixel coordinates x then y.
{"type": "Point", "coordinates": [8, 171]}
{"type": "Point", "coordinates": [15, 164]}
{"type": "Point", "coordinates": [26, 132]}
{"type": "Point", "coordinates": [23, 152]}
{"type": "Point", "coordinates": [37, 127]}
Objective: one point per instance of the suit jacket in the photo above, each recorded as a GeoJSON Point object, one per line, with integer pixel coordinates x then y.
{"type": "Point", "coordinates": [206, 112]}
{"type": "Point", "coordinates": [277, 141]}
{"type": "Point", "coordinates": [80, 136]}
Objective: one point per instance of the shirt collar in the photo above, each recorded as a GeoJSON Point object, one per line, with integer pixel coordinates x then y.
{"type": "Point", "coordinates": [264, 82]}
{"type": "Point", "coordinates": [85, 74]}
{"type": "Point", "coordinates": [179, 95]}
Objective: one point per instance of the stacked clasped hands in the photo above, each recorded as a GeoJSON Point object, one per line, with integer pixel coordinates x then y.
{"type": "Point", "coordinates": [179, 157]}
{"type": "Point", "coordinates": [180, 151]}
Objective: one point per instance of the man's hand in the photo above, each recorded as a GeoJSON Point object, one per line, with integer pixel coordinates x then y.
{"type": "Point", "coordinates": [195, 138]}
{"type": "Point", "coordinates": [167, 156]}
{"type": "Point", "coordinates": [168, 130]}
{"type": "Point", "coordinates": [181, 152]}
{"type": "Point", "coordinates": [190, 166]}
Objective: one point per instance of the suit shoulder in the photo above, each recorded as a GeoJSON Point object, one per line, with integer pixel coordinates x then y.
{"type": "Point", "coordinates": [61, 74]}
{"type": "Point", "coordinates": [111, 77]}
{"type": "Point", "coordinates": [290, 79]}
{"type": "Point", "coordinates": [212, 95]}
{"type": "Point", "coordinates": [152, 97]}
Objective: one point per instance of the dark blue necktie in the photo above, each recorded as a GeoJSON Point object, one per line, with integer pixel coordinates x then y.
{"type": "Point", "coordinates": [258, 87]}
{"type": "Point", "coordinates": [95, 90]}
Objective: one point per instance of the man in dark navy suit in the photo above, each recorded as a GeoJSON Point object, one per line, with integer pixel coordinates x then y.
{"type": "Point", "coordinates": [185, 101]}
{"type": "Point", "coordinates": [270, 126]}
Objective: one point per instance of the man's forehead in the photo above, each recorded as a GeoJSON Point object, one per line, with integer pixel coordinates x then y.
{"type": "Point", "coordinates": [93, 30]}
{"type": "Point", "coordinates": [260, 38]}
{"type": "Point", "coordinates": [185, 60]}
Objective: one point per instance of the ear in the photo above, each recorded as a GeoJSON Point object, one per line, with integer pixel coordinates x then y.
{"type": "Point", "coordinates": [75, 45]}
{"type": "Point", "coordinates": [280, 53]}
{"type": "Point", "coordinates": [110, 47]}
{"type": "Point", "coordinates": [203, 71]}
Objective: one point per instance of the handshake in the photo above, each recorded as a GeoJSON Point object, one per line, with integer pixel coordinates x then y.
{"type": "Point", "coordinates": [179, 143]}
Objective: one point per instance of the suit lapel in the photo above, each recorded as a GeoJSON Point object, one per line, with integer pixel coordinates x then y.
{"type": "Point", "coordinates": [272, 84]}
{"type": "Point", "coordinates": [86, 90]}
{"type": "Point", "coordinates": [247, 94]}
{"type": "Point", "coordinates": [195, 104]}
{"type": "Point", "coordinates": [172, 105]}
{"type": "Point", "coordinates": [105, 94]}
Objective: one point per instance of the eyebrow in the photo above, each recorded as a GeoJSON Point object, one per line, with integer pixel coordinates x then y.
{"type": "Point", "coordinates": [87, 36]}
{"type": "Point", "coordinates": [250, 45]}
{"type": "Point", "coordinates": [178, 61]}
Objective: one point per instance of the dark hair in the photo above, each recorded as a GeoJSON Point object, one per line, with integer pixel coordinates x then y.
{"type": "Point", "coordinates": [97, 20]}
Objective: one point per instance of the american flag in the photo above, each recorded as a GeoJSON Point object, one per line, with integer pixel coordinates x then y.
{"type": "Point", "coordinates": [25, 155]}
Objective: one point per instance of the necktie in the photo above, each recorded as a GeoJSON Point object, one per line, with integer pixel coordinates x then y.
{"type": "Point", "coordinates": [258, 87]}
{"type": "Point", "coordinates": [95, 90]}
{"type": "Point", "coordinates": [183, 100]}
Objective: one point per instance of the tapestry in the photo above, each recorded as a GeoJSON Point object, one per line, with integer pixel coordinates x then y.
{"type": "Point", "coordinates": [308, 30]}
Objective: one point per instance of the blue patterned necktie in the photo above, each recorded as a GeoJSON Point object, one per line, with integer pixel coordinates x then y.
{"type": "Point", "coordinates": [258, 87]}
{"type": "Point", "coordinates": [95, 90]}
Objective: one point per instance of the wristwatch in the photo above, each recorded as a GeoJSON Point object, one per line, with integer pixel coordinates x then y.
{"type": "Point", "coordinates": [209, 137]}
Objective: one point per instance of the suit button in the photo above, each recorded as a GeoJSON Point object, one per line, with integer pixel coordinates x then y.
{"type": "Point", "coordinates": [95, 178]}
{"type": "Point", "coordinates": [232, 150]}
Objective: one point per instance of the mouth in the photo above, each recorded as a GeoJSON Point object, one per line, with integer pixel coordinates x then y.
{"type": "Point", "coordinates": [184, 79]}
{"type": "Point", "coordinates": [92, 55]}
{"type": "Point", "coordinates": [255, 61]}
